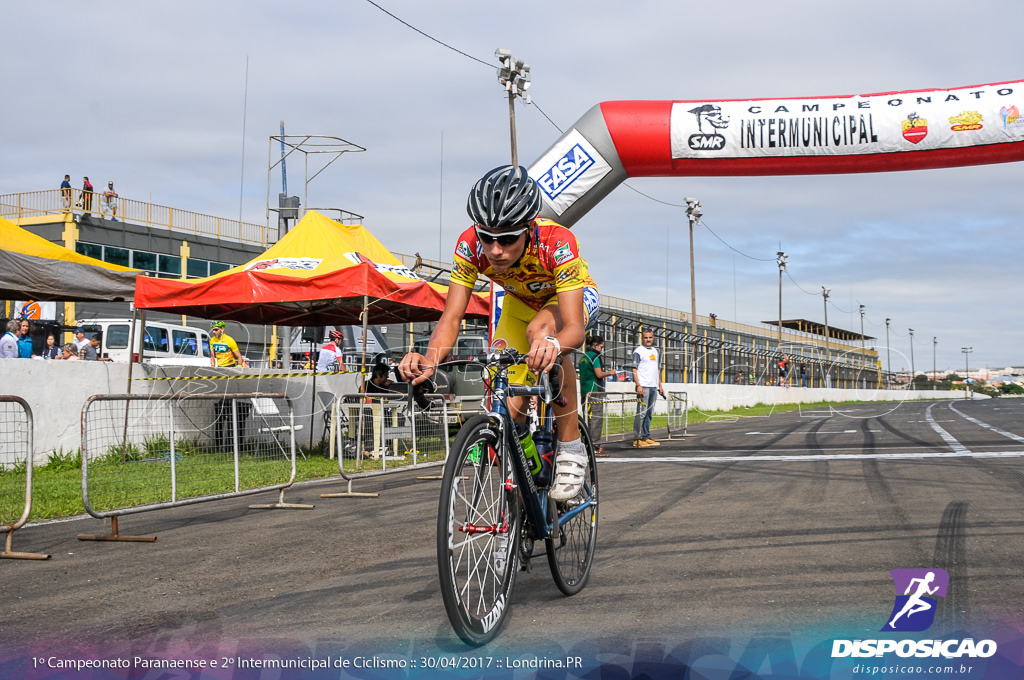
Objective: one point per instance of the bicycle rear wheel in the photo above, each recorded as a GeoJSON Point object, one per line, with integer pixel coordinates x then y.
{"type": "Point", "coordinates": [478, 532]}
{"type": "Point", "coordinates": [571, 545]}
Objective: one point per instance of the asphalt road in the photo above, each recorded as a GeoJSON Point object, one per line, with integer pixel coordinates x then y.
{"type": "Point", "coordinates": [757, 541]}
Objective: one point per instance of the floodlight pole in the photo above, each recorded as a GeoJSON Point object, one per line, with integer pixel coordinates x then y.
{"type": "Point", "coordinates": [514, 76]}
{"type": "Point", "coordinates": [935, 372]}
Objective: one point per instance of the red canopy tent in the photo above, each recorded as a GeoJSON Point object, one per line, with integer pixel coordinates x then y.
{"type": "Point", "coordinates": [320, 273]}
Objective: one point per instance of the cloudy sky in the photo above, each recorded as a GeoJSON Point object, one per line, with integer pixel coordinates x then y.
{"type": "Point", "coordinates": [175, 102]}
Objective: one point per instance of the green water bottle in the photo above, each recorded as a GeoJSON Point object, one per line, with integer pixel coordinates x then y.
{"type": "Point", "coordinates": [532, 457]}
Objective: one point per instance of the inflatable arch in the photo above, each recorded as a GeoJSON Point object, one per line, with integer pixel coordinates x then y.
{"type": "Point", "coordinates": [882, 132]}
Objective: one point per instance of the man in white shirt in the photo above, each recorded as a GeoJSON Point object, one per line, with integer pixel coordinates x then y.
{"type": "Point", "coordinates": [330, 354]}
{"type": "Point", "coordinates": [647, 378]}
{"type": "Point", "coordinates": [80, 340]}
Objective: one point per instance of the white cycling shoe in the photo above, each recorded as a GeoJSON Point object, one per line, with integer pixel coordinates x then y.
{"type": "Point", "coordinates": [570, 467]}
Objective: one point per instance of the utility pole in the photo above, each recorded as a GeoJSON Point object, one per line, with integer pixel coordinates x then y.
{"type": "Point", "coordinates": [824, 295]}
{"type": "Point", "coordinates": [863, 349]}
{"type": "Point", "coordinates": [967, 386]}
{"type": "Point", "coordinates": [514, 76]}
{"type": "Point", "coordinates": [888, 355]}
{"type": "Point", "coordinates": [693, 213]}
{"type": "Point", "coordinates": [783, 260]}
{"type": "Point", "coordinates": [935, 372]}
{"type": "Point", "coordinates": [911, 358]}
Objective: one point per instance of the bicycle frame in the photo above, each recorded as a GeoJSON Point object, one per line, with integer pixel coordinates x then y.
{"type": "Point", "coordinates": [534, 499]}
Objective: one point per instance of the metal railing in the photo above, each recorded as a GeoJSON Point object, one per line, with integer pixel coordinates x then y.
{"type": "Point", "coordinates": [16, 429]}
{"type": "Point", "coordinates": [616, 412]}
{"type": "Point", "coordinates": [146, 452]}
{"type": "Point", "coordinates": [678, 414]}
{"type": "Point", "coordinates": [50, 203]}
{"type": "Point", "coordinates": [369, 432]}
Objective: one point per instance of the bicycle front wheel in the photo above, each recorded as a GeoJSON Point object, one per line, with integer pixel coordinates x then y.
{"type": "Point", "coordinates": [571, 545]}
{"type": "Point", "coordinates": [478, 532]}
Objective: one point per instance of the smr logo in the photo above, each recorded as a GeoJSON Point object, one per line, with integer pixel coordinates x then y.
{"type": "Point", "coordinates": [914, 609]}
{"type": "Point", "coordinates": [712, 115]}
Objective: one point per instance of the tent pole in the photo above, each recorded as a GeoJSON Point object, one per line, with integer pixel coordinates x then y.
{"type": "Point", "coordinates": [366, 320]}
{"type": "Point", "coordinates": [131, 362]}
{"type": "Point", "coordinates": [131, 345]}
{"type": "Point", "coordinates": [312, 397]}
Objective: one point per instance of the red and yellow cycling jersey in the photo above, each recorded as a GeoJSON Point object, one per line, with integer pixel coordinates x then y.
{"type": "Point", "coordinates": [550, 265]}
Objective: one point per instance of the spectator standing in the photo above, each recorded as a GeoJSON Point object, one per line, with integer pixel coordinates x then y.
{"type": "Point", "coordinates": [647, 377]}
{"type": "Point", "coordinates": [51, 351]}
{"type": "Point", "coordinates": [25, 339]}
{"type": "Point", "coordinates": [65, 193]}
{"type": "Point", "coordinates": [9, 341]}
{"type": "Point", "coordinates": [329, 358]}
{"type": "Point", "coordinates": [110, 201]}
{"type": "Point", "coordinates": [223, 348]}
{"type": "Point", "coordinates": [592, 384]}
{"type": "Point", "coordinates": [80, 340]}
{"type": "Point", "coordinates": [91, 351]}
{"type": "Point", "coordinates": [803, 374]}
{"type": "Point", "coordinates": [86, 195]}
{"type": "Point", "coordinates": [69, 353]}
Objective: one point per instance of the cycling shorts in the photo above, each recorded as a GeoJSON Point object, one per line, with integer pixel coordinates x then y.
{"type": "Point", "coordinates": [516, 315]}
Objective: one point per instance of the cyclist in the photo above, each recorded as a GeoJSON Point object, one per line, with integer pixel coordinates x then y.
{"type": "Point", "coordinates": [223, 348]}
{"type": "Point", "coordinates": [549, 303]}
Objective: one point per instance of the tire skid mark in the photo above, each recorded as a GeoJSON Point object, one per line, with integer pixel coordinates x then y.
{"type": "Point", "coordinates": [652, 510]}
{"type": "Point", "coordinates": [951, 555]}
{"type": "Point", "coordinates": [889, 510]}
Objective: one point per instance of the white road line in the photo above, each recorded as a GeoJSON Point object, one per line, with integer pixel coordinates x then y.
{"type": "Point", "coordinates": [946, 437]}
{"type": "Point", "coordinates": [964, 453]}
{"type": "Point", "coordinates": [991, 428]}
{"type": "Point", "coordinates": [776, 434]}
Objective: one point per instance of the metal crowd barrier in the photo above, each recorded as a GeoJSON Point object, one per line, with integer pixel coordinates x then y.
{"type": "Point", "coordinates": [147, 452]}
{"type": "Point", "coordinates": [617, 411]}
{"type": "Point", "coordinates": [678, 414]}
{"type": "Point", "coordinates": [16, 430]}
{"type": "Point", "coordinates": [372, 430]}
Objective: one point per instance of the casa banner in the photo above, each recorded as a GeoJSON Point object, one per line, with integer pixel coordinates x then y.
{"type": "Point", "coordinates": [890, 131]}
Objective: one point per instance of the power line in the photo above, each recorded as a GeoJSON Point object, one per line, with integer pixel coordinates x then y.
{"type": "Point", "coordinates": [427, 35]}
{"type": "Point", "coordinates": [749, 257]}
{"type": "Point", "coordinates": [548, 118]}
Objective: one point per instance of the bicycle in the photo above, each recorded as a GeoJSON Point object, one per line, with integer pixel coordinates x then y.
{"type": "Point", "coordinates": [491, 512]}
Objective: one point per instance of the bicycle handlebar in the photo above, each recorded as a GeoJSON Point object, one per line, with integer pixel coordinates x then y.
{"type": "Point", "coordinates": [550, 381]}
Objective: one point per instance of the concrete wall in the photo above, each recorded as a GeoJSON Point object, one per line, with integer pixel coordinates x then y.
{"type": "Point", "coordinates": [57, 391]}
{"type": "Point", "coordinates": [727, 397]}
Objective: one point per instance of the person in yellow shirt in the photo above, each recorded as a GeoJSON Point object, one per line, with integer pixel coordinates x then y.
{"type": "Point", "coordinates": [223, 348]}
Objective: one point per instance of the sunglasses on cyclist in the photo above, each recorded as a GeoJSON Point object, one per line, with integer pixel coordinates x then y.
{"type": "Point", "coordinates": [505, 238]}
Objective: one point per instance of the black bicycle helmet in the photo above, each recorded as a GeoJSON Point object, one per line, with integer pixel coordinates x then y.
{"type": "Point", "coordinates": [503, 198]}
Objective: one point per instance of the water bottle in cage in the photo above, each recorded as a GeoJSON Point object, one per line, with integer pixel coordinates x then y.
{"type": "Point", "coordinates": [545, 458]}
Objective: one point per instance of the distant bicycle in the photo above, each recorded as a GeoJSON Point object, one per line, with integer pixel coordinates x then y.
{"type": "Point", "coordinates": [491, 511]}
